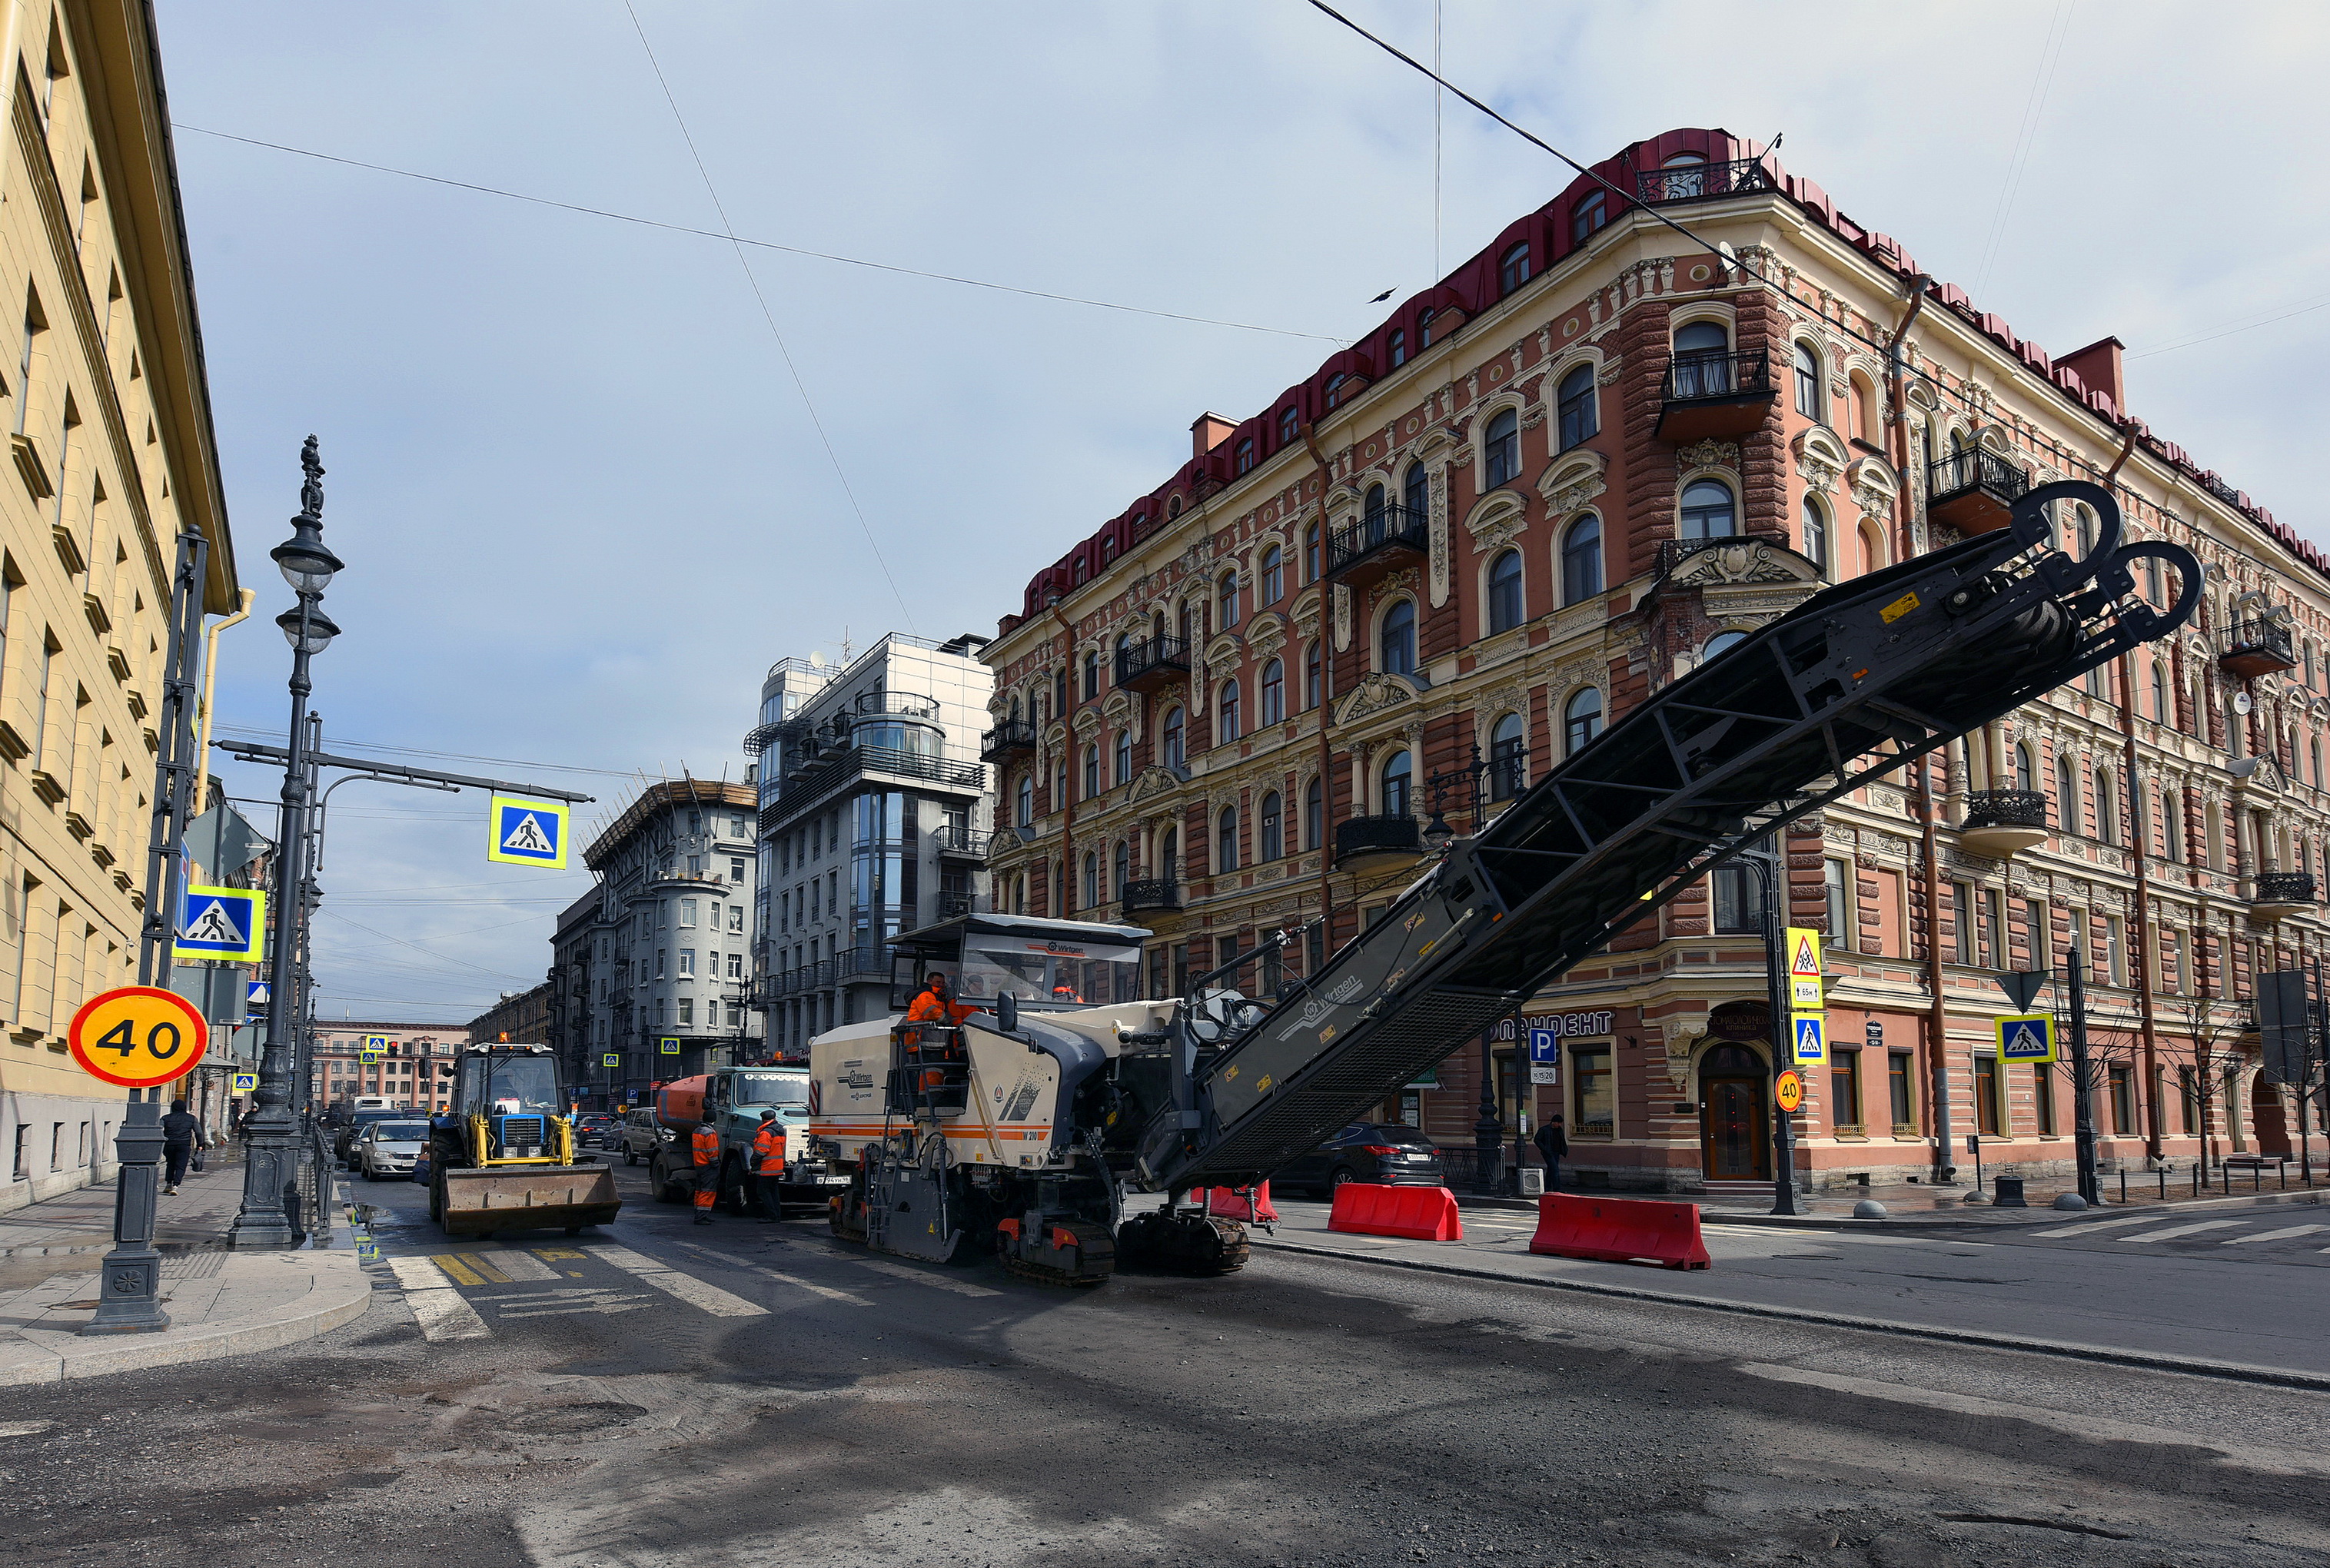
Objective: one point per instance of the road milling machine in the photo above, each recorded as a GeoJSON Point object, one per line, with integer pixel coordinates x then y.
{"type": "Point", "coordinates": [1018, 1131]}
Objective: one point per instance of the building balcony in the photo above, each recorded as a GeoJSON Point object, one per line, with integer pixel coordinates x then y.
{"type": "Point", "coordinates": [851, 765]}
{"type": "Point", "coordinates": [955, 905]}
{"type": "Point", "coordinates": [962, 843]}
{"type": "Point", "coordinates": [1008, 739]}
{"type": "Point", "coordinates": [1375, 545]}
{"type": "Point", "coordinates": [1673, 553]}
{"type": "Point", "coordinates": [1973, 491]}
{"type": "Point", "coordinates": [2257, 647]}
{"type": "Point", "coordinates": [1699, 182]}
{"type": "Point", "coordinates": [1151, 893]}
{"type": "Point", "coordinates": [1377, 843]}
{"type": "Point", "coordinates": [1998, 822]}
{"type": "Point", "coordinates": [1149, 664]}
{"type": "Point", "coordinates": [1711, 395]}
{"type": "Point", "coordinates": [2283, 894]}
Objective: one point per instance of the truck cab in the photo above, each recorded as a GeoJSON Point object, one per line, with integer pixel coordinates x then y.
{"type": "Point", "coordinates": [732, 1099]}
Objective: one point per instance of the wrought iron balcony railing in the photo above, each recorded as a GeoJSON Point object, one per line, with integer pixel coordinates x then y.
{"type": "Point", "coordinates": [1717, 374]}
{"type": "Point", "coordinates": [1972, 490]}
{"type": "Point", "coordinates": [1693, 182]}
{"type": "Point", "coordinates": [838, 768]}
{"type": "Point", "coordinates": [2006, 809]}
{"type": "Point", "coordinates": [1152, 893]}
{"type": "Point", "coordinates": [1673, 553]}
{"type": "Point", "coordinates": [1377, 836]}
{"type": "Point", "coordinates": [2284, 887]}
{"type": "Point", "coordinates": [1393, 533]}
{"type": "Point", "coordinates": [1009, 736]}
{"type": "Point", "coordinates": [2257, 647]}
{"type": "Point", "coordinates": [1150, 661]}
{"type": "Point", "coordinates": [965, 841]}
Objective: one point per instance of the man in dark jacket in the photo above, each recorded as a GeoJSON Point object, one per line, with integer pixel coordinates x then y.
{"type": "Point", "coordinates": [179, 1132]}
{"type": "Point", "coordinates": [1552, 1143]}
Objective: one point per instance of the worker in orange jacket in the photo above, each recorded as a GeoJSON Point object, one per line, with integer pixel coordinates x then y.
{"type": "Point", "coordinates": [769, 1165]}
{"type": "Point", "coordinates": [705, 1142]}
{"type": "Point", "coordinates": [936, 1005]}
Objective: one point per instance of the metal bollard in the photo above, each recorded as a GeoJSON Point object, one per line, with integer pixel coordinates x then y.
{"type": "Point", "coordinates": [2123, 1186]}
{"type": "Point", "coordinates": [2163, 1184]}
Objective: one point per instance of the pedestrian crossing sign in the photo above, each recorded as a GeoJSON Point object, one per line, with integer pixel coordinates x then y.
{"type": "Point", "coordinates": [246, 1084]}
{"type": "Point", "coordinates": [2026, 1037]}
{"type": "Point", "coordinates": [225, 924]}
{"type": "Point", "coordinates": [667, 1046]}
{"type": "Point", "coordinates": [526, 832]}
{"type": "Point", "coordinates": [1812, 1037]}
{"type": "Point", "coordinates": [611, 1059]}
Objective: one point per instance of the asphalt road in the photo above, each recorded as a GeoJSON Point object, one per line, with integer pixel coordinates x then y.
{"type": "Point", "coordinates": [757, 1395]}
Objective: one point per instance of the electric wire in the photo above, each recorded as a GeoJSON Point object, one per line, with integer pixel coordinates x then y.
{"type": "Point", "coordinates": [2026, 136]}
{"type": "Point", "coordinates": [416, 947]}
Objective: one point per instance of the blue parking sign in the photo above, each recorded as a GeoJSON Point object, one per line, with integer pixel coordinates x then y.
{"type": "Point", "coordinates": [1545, 1044]}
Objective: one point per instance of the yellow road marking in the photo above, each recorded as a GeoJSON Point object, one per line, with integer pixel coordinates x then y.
{"type": "Point", "coordinates": [476, 1262]}
{"type": "Point", "coordinates": [550, 1254]}
{"type": "Point", "coordinates": [457, 1269]}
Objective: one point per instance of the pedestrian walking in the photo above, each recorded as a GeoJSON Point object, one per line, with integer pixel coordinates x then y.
{"type": "Point", "coordinates": [1552, 1143]}
{"type": "Point", "coordinates": [178, 1130]}
{"type": "Point", "coordinates": [705, 1143]}
{"type": "Point", "coordinates": [768, 1166]}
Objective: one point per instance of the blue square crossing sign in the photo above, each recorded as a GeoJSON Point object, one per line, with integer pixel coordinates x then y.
{"type": "Point", "coordinates": [2026, 1037]}
{"type": "Point", "coordinates": [523, 832]}
{"type": "Point", "coordinates": [222, 924]}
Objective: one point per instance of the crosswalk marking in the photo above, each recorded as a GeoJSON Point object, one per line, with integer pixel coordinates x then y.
{"type": "Point", "coordinates": [2085, 1226]}
{"type": "Point", "coordinates": [459, 1273]}
{"type": "Point", "coordinates": [439, 1308]}
{"type": "Point", "coordinates": [686, 1288]}
{"type": "Point", "coordinates": [2281, 1235]}
{"type": "Point", "coordinates": [523, 1267]}
{"type": "Point", "coordinates": [565, 1303]}
{"type": "Point", "coordinates": [2175, 1231]}
{"type": "Point", "coordinates": [924, 1277]}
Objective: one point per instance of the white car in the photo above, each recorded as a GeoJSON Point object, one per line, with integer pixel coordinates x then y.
{"type": "Point", "coordinates": [385, 1149]}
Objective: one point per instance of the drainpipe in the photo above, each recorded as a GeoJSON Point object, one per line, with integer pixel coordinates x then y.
{"type": "Point", "coordinates": [2140, 925]}
{"type": "Point", "coordinates": [210, 681]}
{"type": "Point", "coordinates": [1068, 795]}
{"type": "Point", "coordinates": [1893, 389]}
{"type": "Point", "coordinates": [1326, 708]}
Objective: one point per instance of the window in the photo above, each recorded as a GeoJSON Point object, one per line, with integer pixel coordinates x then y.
{"type": "Point", "coordinates": [1398, 781]}
{"type": "Point", "coordinates": [1593, 1104]}
{"type": "Point", "coordinates": [1124, 757]}
{"type": "Point", "coordinates": [1513, 268]}
{"type": "Point", "coordinates": [1845, 1088]}
{"type": "Point", "coordinates": [1229, 712]}
{"type": "Point", "coordinates": [1396, 347]}
{"type": "Point", "coordinates": [1245, 454]}
{"type": "Point", "coordinates": [1092, 879]}
{"type": "Point", "coordinates": [1578, 417]}
{"type": "Point", "coordinates": [1273, 693]}
{"type": "Point", "coordinates": [1808, 398]}
{"type": "Point", "coordinates": [1684, 176]}
{"type": "Point", "coordinates": [2066, 796]}
{"type": "Point", "coordinates": [1898, 1091]}
{"type": "Point", "coordinates": [2160, 711]}
{"type": "Point", "coordinates": [1026, 803]}
{"type": "Point", "coordinates": [1290, 426]}
{"type": "Point", "coordinates": [1274, 575]}
{"type": "Point", "coordinates": [2022, 770]}
{"type": "Point", "coordinates": [1722, 642]}
{"type": "Point", "coordinates": [1092, 676]}
{"type": "Point", "coordinates": [1415, 493]}
{"type": "Point", "coordinates": [1176, 750]}
{"type": "Point", "coordinates": [1226, 840]}
{"type": "Point", "coordinates": [1229, 600]}
{"type": "Point", "coordinates": [686, 913]}
{"type": "Point", "coordinates": [2123, 1098]}
{"type": "Point", "coordinates": [1396, 643]}
{"type": "Point", "coordinates": [1738, 896]}
{"type": "Point", "coordinates": [1836, 897]}
{"type": "Point", "coordinates": [1092, 771]}
{"type": "Point", "coordinates": [1591, 213]}
{"type": "Point", "coordinates": [2107, 808]}
{"type": "Point", "coordinates": [1423, 328]}
{"type": "Point", "coordinates": [1702, 337]}
{"type": "Point", "coordinates": [686, 1010]}
{"type": "Point", "coordinates": [1273, 841]}
{"type": "Point", "coordinates": [1816, 536]}
{"type": "Point", "coordinates": [1581, 560]}
{"type": "Point", "coordinates": [1060, 787]}
{"type": "Point", "coordinates": [1707, 510]}
{"type": "Point", "coordinates": [1508, 759]}
{"type": "Point", "coordinates": [1989, 1119]}
{"type": "Point", "coordinates": [1581, 720]}
{"type": "Point", "coordinates": [1314, 815]}
{"type": "Point", "coordinates": [1962, 916]}
{"type": "Point", "coordinates": [1505, 591]}
{"type": "Point", "coordinates": [2115, 964]}
{"type": "Point", "coordinates": [1311, 553]}
{"type": "Point", "coordinates": [1118, 869]}
{"type": "Point", "coordinates": [1311, 676]}
{"type": "Point", "coordinates": [2043, 1098]}
{"type": "Point", "coordinates": [1502, 447]}
{"type": "Point", "coordinates": [2189, 1108]}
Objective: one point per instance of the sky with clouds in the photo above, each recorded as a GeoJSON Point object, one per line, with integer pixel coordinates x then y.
{"type": "Point", "coordinates": [574, 470]}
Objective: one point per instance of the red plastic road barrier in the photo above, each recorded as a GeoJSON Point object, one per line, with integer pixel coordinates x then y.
{"type": "Point", "coordinates": [1418, 1213]}
{"type": "Point", "coordinates": [1620, 1231]}
{"type": "Point", "coordinates": [1229, 1204]}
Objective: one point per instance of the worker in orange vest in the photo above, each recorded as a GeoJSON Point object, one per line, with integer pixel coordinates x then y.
{"type": "Point", "coordinates": [769, 1165]}
{"type": "Point", "coordinates": [934, 1006]}
{"type": "Point", "coordinates": [706, 1144]}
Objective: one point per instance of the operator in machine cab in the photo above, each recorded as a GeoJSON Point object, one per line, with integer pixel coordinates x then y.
{"type": "Point", "coordinates": [936, 1003]}
{"type": "Point", "coordinates": [705, 1143]}
{"type": "Point", "coordinates": [768, 1166]}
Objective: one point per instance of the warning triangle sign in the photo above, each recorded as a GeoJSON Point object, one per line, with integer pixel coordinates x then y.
{"type": "Point", "coordinates": [215, 925]}
{"type": "Point", "coordinates": [1805, 964]}
{"type": "Point", "coordinates": [528, 838]}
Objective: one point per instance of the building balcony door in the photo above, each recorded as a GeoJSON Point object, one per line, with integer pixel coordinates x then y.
{"type": "Point", "coordinates": [1734, 1134]}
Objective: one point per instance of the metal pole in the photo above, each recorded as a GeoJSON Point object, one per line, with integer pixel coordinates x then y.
{"type": "Point", "coordinates": [1489, 1131]}
{"type": "Point", "coordinates": [2083, 1107]}
{"type": "Point", "coordinates": [129, 1300]}
{"type": "Point", "coordinates": [1776, 951]}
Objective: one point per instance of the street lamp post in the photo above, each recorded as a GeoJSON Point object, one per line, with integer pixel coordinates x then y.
{"type": "Point", "coordinates": [271, 1157]}
{"type": "Point", "coordinates": [1767, 864]}
{"type": "Point", "coordinates": [1488, 1131]}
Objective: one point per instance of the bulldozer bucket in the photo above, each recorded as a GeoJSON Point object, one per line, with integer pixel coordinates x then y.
{"type": "Point", "coordinates": [478, 1203]}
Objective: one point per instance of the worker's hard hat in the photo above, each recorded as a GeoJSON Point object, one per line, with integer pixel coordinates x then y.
{"type": "Point", "coordinates": [768, 1116]}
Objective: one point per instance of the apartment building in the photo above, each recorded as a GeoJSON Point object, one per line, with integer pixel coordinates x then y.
{"type": "Point", "coordinates": [1595, 454]}
{"type": "Point", "coordinates": [112, 456]}
{"type": "Point", "coordinates": [522, 1015]}
{"type": "Point", "coordinates": [396, 1061]}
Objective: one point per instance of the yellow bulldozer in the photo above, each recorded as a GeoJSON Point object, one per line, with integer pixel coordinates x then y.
{"type": "Point", "coordinates": [503, 1158]}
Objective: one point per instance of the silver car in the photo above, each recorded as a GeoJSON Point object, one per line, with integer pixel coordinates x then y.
{"type": "Point", "coordinates": [385, 1149]}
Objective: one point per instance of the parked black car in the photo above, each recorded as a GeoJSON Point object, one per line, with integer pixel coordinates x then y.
{"type": "Point", "coordinates": [1364, 1151]}
{"type": "Point", "coordinates": [595, 1127]}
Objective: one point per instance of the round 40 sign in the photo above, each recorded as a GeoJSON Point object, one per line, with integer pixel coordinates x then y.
{"type": "Point", "coordinates": [139, 1036]}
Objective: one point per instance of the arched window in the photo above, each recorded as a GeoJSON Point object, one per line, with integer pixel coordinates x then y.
{"type": "Point", "coordinates": [1229, 600]}
{"type": "Point", "coordinates": [1226, 837]}
{"type": "Point", "coordinates": [1124, 641]}
{"type": "Point", "coordinates": [1591, 213]}
{"type": "Point", "coordinates": [1092, 880]}
{"type": "Point", "coordinates": [1311, 553]}
{"type": "Point", "coordinates": [1683, 177]}
{"type": "Point", "coordinates": [2159, 693]}
{"type": "Point", "coordinates": [1274, 575]}
{"type": "Point", "coordinates": [1808, 388]}
{"type": "Point", "coordinates": [1399, 785]}
{"type": "Point", "coordinates": [1508, 759]}
{"type": "Point", "coordinates": [1702, 337]}
{"type": "Point", "coordinates": [1059, 887]}
{"type": "Point", "coordinates": [1505, 593]}
{"type": "Point", "coordinates": [1371, 513]}
{"type": "Point", "coordinates": [1018, 896]}
{"type": "Point", "coordinates": [1314, 815]}
{"type": "Point", "coordinates": [1273, 693]}
{"type": "Point", "coordinates": [1396, 642]}
{"type": "Point", "coordinates": [1027, 806]}
{"type": "Point", "coordinates": [2068, 816]}
{"type": "Point", "coordinates": [2024, 778]}
{"type": "Point", "coordinates": [1273, 837]}
{"type": "Point", "coordinates": [1723, 642]}
{"type": "Point", "coordinates": [1229, 712]}
{"type": "Point", "coordinates": [1396, 347]}
{"type": "Point", "coordinates": [1872, 549]}
{"type": "Point", "coordinates": [1245, 454]}
{"type": "Point", "coordinates": [1501, 446]}
{"type": "Point", "coordinates": [1108, 548]}
{"type": "Point", "coordinates": [1169, 854]}
{"type": "Point", "coordinates": [1092, 676]}
{"type": "Point", "coordinates": [1816, 535]}
{"type": "Point", "coordinates": [1172, 507]}
{"type": "Point", "coordinates": [1423, 328]}
{"type": "Point", "coordinates": [1581, 560]}
{"type": "Point", "coordinates": [1092, 771]}
{"type": "Point", "coordinates": [1311, 676]}
{"type": "Point", "coordinates": [2314, 748]}
{"type": "Point", "coordinates": [1335, 388]}
{"type": "Point", "coordinates": [1119, 865]}
{"type": "Point", "coordinates": [1579, 415]}
{"type": "Point", "coordinates": [1176, 739]}
{"type": "Point", "coordinates": [2107, 808]}
{"type": "Point", "coordinates": [1513, 268]}
{"type": "Point", "coordinates": [1581, 720]}
{"type": "Point", "coordinates": [1415, 493]}
{"type": "Point", "coordinates": [1014, 710]}
{"type": "Point", "coordinates": [1124, 756]}
{"type": "Point", "coordinates": [1708, 511]}
{"type": "Point", "coordinates": [1861, 422]}
{"type": "Point", "coordinates": [1289, 425]}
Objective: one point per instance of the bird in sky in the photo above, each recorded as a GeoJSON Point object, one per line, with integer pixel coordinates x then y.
{"type": "Point", "coordinates": [1380, 299]}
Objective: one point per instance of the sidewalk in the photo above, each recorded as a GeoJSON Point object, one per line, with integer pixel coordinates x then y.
{"type": "Point", "coordinates": [220, 1302]}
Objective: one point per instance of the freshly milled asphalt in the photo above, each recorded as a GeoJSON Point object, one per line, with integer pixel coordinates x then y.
{"type": "Point", "coordinates": [1310, 1411]}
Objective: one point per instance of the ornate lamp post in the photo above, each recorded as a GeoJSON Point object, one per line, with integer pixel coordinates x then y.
{"type": "Point", "coordinates": [272, 1154]}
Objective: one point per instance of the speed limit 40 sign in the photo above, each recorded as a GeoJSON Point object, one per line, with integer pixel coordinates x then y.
{"type": "Point", "coordinates": [139, 1036]}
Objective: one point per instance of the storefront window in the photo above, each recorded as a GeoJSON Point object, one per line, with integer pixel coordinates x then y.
{"type": "Point", "coordinates": [1594, 1111]}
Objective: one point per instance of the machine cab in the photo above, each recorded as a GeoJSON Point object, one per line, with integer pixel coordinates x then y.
{"type": "Point", "coordinates": [1044, 965]}
{"type": "Point", "coordinates": [508, 1098]}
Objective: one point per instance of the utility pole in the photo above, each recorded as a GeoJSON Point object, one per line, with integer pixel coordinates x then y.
{"type": "Point", "coordinates": [2083, 1103]}
{"type": "Point", "coordinates": [1766, 862]}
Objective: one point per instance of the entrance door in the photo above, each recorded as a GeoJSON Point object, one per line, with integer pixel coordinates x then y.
{"type": "Point", "coordinates": [1735, 1141]}
{"type": "Point", "coordinates": [2266, 1116]}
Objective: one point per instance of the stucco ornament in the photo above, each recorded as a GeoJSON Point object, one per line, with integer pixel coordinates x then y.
{"type": "Point", "coordinates": [1682, 1033]}
{"type": "Point", "coordinates": [1374, 692]}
